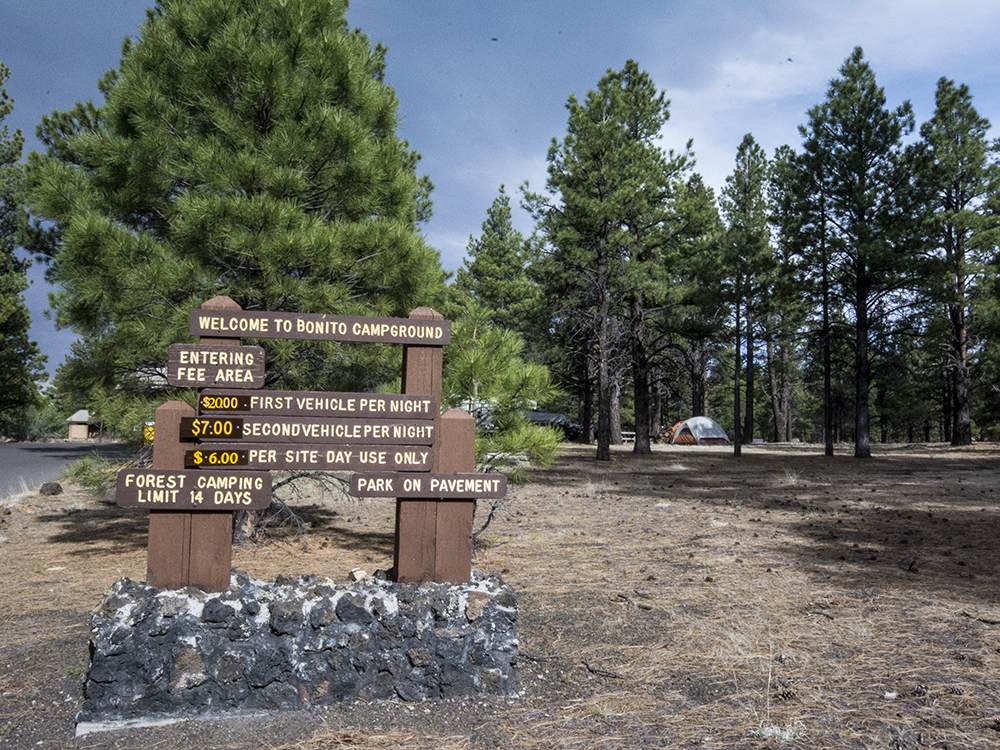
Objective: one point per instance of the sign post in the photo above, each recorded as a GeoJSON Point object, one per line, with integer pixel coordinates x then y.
{"type": "Point", "coordinates": [188, 548]}
{"type": "Point", "coordinates": [432, 535]}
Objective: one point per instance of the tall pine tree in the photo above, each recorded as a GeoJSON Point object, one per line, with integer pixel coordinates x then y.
{"type": "Point", "coordinates": [245, 148]}
{"type": "Point", "coordinates": [495, 271]}
{"type": "Point", "coordinates": [612, 182]}
{"type": "Point", "coordinates": [21, 364]}
{"type": "Point", "coordinates": [744, 206]}
{"type": "Point", "coordinates": [871, 209]}
{"type": "Point", "coordinates": [963, 175]}
{"type": "Point", "coordinates": [788, 302]}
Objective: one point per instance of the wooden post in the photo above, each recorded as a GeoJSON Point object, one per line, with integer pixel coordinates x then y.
{"type": "Point", "coordinates": [434, 537]}
{"type": "Point", "coordinates": [453, 522]}
{"type": "Point", "coordinates": [188, 549]}
{"type": "Point", "coordinates": [168, 553]}
{"type": "Point", "coordinates": [416, 523]}
{"type": "Point", "coordinates": [212, 531]}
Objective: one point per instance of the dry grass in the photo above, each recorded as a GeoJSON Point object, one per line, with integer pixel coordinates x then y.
{"type": "Point", "coordinates": [683, 599]}
{"type": "Point", "coordinates": [353, 739]}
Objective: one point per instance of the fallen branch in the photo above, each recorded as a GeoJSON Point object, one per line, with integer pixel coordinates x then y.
{"type": "Point", "coordinates": [980, 619]}
{"type": "Point", "coordinates": [603, 672]}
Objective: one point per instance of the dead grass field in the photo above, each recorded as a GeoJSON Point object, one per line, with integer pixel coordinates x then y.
{"type": "Point", "coordinates": [684, 599]}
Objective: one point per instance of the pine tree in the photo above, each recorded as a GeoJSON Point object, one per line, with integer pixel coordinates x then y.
{"type": "Point", "coordinates": [962, 177]}
{"type": "Point", "coordinates": [485, 371]}
{"type": "Point", "coordinates": [871, 208]}
{"type": "Point", "coordinates": [789, 304]}
{"type": "Point", "coordinates": [21, 364]}
{"type": "Point", "coordinates": [495, 271]}
{"type": "Point", "coordinates": [612, 184]}
{"type": "Point", "coordinates": [245, 148]}
{"type": "Point", "coordinates": [694, 321]}
{"type": "Point", "coordinates": [744, 206]}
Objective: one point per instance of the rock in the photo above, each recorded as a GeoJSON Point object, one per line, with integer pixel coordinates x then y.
{"type": "Point", "coordinates": [50, 488]}
{"type": "Point", "coordinates": [357, 575]}
{"type": "Point", "coordinates": [294, 643]}
{"type": "Point", "coordinates": [476, 603]}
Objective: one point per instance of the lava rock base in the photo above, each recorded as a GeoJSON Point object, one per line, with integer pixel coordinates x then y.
{"type": "Point", "coordinates": [294, 642]}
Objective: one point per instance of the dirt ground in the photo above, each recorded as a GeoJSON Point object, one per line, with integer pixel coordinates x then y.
{"type": "Point", "coordinates": [684, 599]}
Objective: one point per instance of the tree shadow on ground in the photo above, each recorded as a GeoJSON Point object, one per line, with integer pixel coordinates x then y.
{"type": "Point", "coordinates": [94, 531]}
{"type": "Point", "coordinates": [76, 451]}
{"type": "Point", "coordinates": [332, 527]}
{"type": "Point", "coordinates": [97, 531]}
{"type": "Point", "coordinates": [923, 516]}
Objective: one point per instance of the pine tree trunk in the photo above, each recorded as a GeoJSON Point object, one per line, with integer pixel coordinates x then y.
{"type": "Point", "coordinates": [772, 378]}
{"type": "Point", "coordinates": [604, 375]}
{"type": "Point", "coordinates": [862, 376]}
{"type": "Point", "coordinates": [828, 417]}
{"type": "Point", "coordinates": [587, 407]}
{"type": "Point", "coordinates": [641, 377]}
{"type": "Point", "coordinates": [947, 404]}
{"type": "Point", "coordinates": [616, 409]}
{"type": "Point", "coordinates": [786, 394]}
{"type": "Point", "coordinates": [737, 410]}
{"type": "Point", "coordinates": [656, 412]}
{"type": "Point", "coordinates": [603, 395]}
{"type": "Point", "coordinates": [962, 432]}
{"type": "Point", "coordinates": [699, 378]}
{"type": "Point", "coordinates": [748, 427]}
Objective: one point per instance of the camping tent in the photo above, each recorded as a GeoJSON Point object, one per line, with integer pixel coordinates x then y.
{"type": "Point", "coordinates": [698, 431]}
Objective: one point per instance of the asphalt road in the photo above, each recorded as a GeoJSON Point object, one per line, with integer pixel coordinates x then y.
{"type": "Point", "coordinates": [27, 465]}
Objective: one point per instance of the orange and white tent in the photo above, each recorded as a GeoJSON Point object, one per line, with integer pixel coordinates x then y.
{"type": "Point", "coordinates": [698, 431]}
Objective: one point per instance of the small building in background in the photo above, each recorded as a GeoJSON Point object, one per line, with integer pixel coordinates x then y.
{"type": "Point", "coordinates": [80, 427]}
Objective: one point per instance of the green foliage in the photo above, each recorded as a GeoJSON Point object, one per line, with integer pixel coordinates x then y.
{"type": "Point", "coordinates": [96, 474]}
{"type": "Point", "coordinates": [130, 416]}
{"type": "Point", "coordinates": [21, 364]}
{"type": "Point", "coordinates": [486, 374]}
{"type": "Point", "coordinates": [962, 179]}
{"type": "Point", "coordinates": [495, 270]}
{"type": "Point", "coordinates": [539, 445]}
{"type": "Point", "coordinates": [609, 224]}
{"type": "Point", "coordinates": [861, 184]}
{"type": "Point", "coordinates": [750, 261]}
{"type": "Point", "coordinates": [245, 148]}
{"type": "Point", "coordinates": [43, 421]}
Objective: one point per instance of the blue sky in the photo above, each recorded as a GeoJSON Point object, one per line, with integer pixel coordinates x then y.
{"type": "Point", "coordinates": [483, 84]}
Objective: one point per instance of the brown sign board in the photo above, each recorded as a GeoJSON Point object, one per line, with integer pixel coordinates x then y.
{"type": "Point", "coordinates": [316, 404]}
{"type": "Point", "coordinates": [197, 366]}
{"type": "Point", "coordinates": [319, 327]}
{"type": "Point", "coordinates": [280, 457]}
{"type": "Point", "coordinates": [178, 489]}
{"type": "Point", "coordinates": [434, 486]}
{"type": "Point", "coordinates": [256, 429]}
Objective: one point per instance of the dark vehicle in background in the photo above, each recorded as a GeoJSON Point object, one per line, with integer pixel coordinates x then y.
{"type": "Point", "coordinates": [570, 429]}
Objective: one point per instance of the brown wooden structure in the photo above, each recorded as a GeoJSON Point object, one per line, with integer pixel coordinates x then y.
{"type": "Point", "coordinates": [433, 535]}
{"type": "Point", "coordinates": [187, 548]}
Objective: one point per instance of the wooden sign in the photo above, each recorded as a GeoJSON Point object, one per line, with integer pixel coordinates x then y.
{"type": "Point", "coordinates": [316, 404]}
{"type": "Point", "coordinates": [177, 489]}
{"type": "Point", "coordinates": [254, 429]}
{"type": "Point", "coordinates": [196, 366]}
{"type": "Point", "coordinates": [282, 457]}
{"type": "Point", "coordinates": [405, 437]}
{"type": "Point", "coordinates": [319, 327]}
{"type": "Point", "coordinates": [445, 486]}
